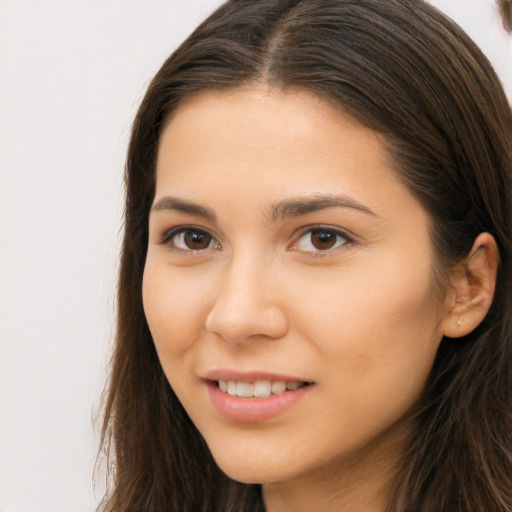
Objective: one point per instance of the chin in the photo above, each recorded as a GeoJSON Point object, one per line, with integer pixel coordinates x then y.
{"type": "Point", "coordinates": [246, 473]}
{"type": "Point", "coordinates": [247, 470]}
{"type": "Point", "coordinates": [249, 478]}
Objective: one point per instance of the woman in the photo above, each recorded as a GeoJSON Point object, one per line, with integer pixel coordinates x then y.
{"type": "Point", "coordinates": [315, 294]}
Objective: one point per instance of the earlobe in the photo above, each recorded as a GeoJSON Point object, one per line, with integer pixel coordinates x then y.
{"type": "Point", "coordinates": [472, 288]}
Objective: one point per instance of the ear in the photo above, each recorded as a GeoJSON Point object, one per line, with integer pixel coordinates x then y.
{"type": "Point", "coordinates": [472, 288]}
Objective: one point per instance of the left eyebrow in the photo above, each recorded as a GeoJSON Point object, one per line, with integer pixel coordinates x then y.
{"type": "Point", "coordinates": [303, 205]}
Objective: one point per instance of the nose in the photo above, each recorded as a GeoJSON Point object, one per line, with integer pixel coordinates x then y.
{"type": "Point", "coordinates": [247, 306]}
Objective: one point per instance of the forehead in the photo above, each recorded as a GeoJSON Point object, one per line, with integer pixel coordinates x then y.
{"type": "Point", "coordinates": [293, 113]}
{"type": "Point", "coordinates": [233, 143]}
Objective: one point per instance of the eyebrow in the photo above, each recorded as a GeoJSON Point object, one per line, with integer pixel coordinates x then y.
{"type": "Point", "coordinates": [303, 205]}
{"type": "Point", "coordinates": [170, 203]}
{"type": "Point", "coordinates": [284, 209]}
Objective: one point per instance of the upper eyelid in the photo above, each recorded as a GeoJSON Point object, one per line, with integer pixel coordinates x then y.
{"type": "Point", "coordinates": [327, 227]}
{"type": "Point", "coordinates": [167, 234]}
{"type": "Point", "coordinates": [326, 253]}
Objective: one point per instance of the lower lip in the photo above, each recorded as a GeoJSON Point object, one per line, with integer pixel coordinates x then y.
{"type": "Point", "coordinates": [252, 410]}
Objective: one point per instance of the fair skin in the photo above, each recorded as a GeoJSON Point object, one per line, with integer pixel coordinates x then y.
{"type": "Point", "coordinates": [283, 247]}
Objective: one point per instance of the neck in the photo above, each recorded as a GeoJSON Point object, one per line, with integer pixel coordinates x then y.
{"type": "Point", "coordinates": [359, 482]}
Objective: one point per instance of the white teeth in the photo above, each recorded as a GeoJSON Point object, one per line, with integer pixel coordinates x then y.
{"type": "Point", "coordinates": [262, 388]}
{"type": "Point", "coordinates": [232, 388]}
{"type": "Point", "coordinates": [278, 387]}
{"type": "Point", "coordinates": [245, 389]}
{"type": "Point", "coordinates": [258, 389]}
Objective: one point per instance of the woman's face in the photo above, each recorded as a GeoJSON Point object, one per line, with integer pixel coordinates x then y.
{"type": "Point", "coordinates": [284, 252]}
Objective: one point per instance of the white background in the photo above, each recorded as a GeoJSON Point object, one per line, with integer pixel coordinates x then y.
{"type": "Point", "coordinates": [71, 76]}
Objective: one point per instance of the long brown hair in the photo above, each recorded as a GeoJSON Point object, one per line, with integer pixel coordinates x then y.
{"type": "Point", "coordinates": [403, 69]}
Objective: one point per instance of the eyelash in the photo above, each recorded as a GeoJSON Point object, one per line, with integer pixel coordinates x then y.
{"type": "Point", "coordinates": [176, 237]}
{"type": "Point", "coordinates": [341, 239]}
{"type": "Point", "coordinates": [170, 237]}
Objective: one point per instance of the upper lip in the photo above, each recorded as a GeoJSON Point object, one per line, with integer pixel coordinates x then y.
{"type": "Point", "coordinates": [249, 376]}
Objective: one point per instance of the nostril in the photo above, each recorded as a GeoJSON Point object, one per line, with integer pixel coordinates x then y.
{"type": "Point", "coordinates": [247, 306]}
{"type": "Point", "coordinates": [246, 323]}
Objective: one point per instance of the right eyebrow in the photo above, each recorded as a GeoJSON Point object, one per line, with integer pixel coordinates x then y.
{"type": "Point", "coordinates": [294, 207]}
{"type": "Point", "coordinates": [170, 203]}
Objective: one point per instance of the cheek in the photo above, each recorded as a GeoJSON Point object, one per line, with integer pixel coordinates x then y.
{"type": "Point", "coordinates": [377, 330]}
{"type": "Point", "coordinates": [174, 307]}
{"type": "Point", "coordinates": [368, 297]}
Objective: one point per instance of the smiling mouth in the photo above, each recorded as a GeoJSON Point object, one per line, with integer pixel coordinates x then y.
{"type": "Point", "coordinates": [259, 388]}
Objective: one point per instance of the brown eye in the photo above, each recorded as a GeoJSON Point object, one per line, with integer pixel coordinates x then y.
{"type": "Point", "coordinates": [196, 240]}
{"type": "Point", "coordinates": [323, 240]}
{"type": "Point", "coordinates": [319, 239]}
{"type": "Point", "coordinates": [191, 240]}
